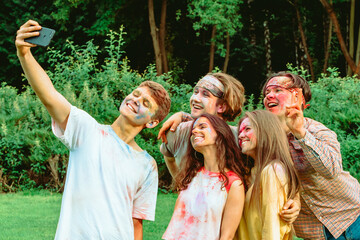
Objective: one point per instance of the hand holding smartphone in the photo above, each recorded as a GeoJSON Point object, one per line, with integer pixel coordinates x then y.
{"type": "Point", "coordinates": [44, 38]}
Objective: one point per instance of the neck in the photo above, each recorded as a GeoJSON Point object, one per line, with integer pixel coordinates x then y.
{"type": "Point", "coordinates": [125, 130]}
{"type": "Point", "coordinates": [210, 159]}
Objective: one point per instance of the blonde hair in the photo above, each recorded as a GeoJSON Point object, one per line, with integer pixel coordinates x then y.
{"type": "Point", "coordinates": [233, 97]}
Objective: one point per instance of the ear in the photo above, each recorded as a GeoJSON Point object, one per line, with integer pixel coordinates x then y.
{"type": "Point", "coordinates": [221, 108]}
{"type": "Point", "coordinates": [152, 124]}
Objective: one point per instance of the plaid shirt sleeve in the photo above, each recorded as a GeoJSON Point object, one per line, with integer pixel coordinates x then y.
{"type": "Point", "coordinates": [322, 149]}
{"type": "Point", "coordinates": [330, 196]}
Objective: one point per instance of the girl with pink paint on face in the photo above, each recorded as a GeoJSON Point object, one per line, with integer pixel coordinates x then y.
{"type": "Point", "coordinates": [273, 177]}
{"type": "Point", "coordinates": [211, 198]}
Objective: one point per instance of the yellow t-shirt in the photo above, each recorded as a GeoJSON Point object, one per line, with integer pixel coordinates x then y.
{"type": "Point", "coordinates": [266, 223]}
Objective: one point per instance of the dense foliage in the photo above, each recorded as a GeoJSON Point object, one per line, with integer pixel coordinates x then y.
{"type": "Point", "coordinates": [31, 157]}
{"type": "Point", "coordinates": [188, 32]}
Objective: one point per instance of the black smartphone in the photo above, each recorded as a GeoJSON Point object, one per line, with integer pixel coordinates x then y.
{"type": "Point", "coordinates": [46, 34]}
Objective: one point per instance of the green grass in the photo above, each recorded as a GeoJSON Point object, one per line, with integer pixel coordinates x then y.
{"type": "Point", "coordinates": [34, 216]}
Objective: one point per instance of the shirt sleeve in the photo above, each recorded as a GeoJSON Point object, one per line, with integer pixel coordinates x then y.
{"type": "Point", "coordinates": [232, 178]}
{"type": "Point", "coordinates": [145, 198]}
{"type": "Point", "coordinates": [78, 126]}
{"type": "Point", "coordinates": [176, 140]}
{"type": "Point", "coordinates": [322, 150]}
{"type": "Point", "coordinates": [274, 195]}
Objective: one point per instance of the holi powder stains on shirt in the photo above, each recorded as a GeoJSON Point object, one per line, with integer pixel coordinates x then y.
{"type": "Point", "coordinates": [107, 183]}
{"type": "Point", "coordinates": [199, 208]}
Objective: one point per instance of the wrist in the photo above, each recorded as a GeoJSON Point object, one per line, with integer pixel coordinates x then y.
{"type": "Point", "coordinates": [299, 134]}
{"type": "Point", "coordinates": [185, 117]}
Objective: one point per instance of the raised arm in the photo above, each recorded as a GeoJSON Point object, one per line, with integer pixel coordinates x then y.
{"type": "Point", "coordinates": [57, 106]}
{"type": "Point", "coordinates": [320, 145]}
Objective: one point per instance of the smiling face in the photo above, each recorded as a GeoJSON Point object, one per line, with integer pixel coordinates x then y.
{"type": "Point", "coordinates": [203, 101]}
{"type": "Point", "coordinates": [247, 138]}
{"type": "Point", "coordinates": [277, 96]}
{"type": "Point", "coordinates": [203, 134]}
{"type": "Point", "coordinates": [139, 107]}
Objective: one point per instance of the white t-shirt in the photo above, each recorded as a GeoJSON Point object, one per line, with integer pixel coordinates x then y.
{"type": "Point", "coordinates": [107, 183]}
{"type": "Point", "coordinates": [199, 208]}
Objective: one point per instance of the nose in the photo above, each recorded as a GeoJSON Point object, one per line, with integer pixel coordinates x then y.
{"type": "Point", "coordinates": [241, 135]}
{"type": "Point", "coordinates": [137, 100]}
{"type": "Point", "coordinates": [195, 97]}
{"type": "Point", "coordinates": [270, 95]}
{"type": "Point", "coordinates": [194, 131]}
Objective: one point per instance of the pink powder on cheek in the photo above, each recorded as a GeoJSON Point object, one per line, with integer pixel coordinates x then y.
{"type": "Point", "coordinates": [282, 99]}
{"type": "Point", "coordinates": [250, 134]}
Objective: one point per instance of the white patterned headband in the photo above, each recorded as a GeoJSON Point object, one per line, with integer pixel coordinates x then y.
{"type": "Point", "coordinates": [212, 84]}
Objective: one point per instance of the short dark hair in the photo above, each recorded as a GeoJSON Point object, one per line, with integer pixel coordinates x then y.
{"type": "Point", "coordinates": [298, 82]}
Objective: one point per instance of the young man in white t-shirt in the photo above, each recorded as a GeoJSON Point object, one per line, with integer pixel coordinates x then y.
{"type": "Point", "coordinates": [111, 183]}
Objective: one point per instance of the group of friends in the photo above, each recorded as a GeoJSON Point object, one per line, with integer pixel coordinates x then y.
{"type": "Point", "coordinates": [276, 174]}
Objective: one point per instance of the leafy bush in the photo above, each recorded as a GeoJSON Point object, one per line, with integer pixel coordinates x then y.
{"type": "Point", "coordinates": [30, 155]}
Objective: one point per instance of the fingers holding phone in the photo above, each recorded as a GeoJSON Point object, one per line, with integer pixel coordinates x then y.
{"type": "Point", "coordinates": [32, 34]}
{"type": "Point", "coordinates": [29, 29]}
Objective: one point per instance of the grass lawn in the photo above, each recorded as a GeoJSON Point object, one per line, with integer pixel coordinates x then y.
{"type": "Point", "coordinates": [34, 216]}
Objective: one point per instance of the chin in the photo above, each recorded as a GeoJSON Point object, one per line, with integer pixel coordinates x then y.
{"type": "Point", "coordinates": [196, 114]}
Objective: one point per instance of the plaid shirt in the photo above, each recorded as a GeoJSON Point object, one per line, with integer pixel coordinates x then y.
{"type": "Point", "coordinates": [330, 196]}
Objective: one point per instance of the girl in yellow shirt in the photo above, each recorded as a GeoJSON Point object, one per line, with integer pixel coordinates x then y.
{"type": "Point", "coordinates": [273, 177]}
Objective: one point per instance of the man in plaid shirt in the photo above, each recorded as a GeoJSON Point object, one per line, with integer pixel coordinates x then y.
{"type": "Point", "coordinates": [330, 197]}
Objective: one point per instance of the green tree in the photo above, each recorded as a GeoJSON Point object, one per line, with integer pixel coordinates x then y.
{"type": "Point", "coordinates": [223, 17]}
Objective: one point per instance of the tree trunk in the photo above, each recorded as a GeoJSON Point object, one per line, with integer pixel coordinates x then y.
{"type": "Point", "coordinates": [327, 43]}
{"type": "Point", "coordinates": [155, 37]}
{"type": "Point", "coordinates": [162, 34]}
{"type": "Point", "coordinates": [212, 49]}
{"type": "Point", "coordinates": [227, 56]}
{"type": "Point", "coordinates": [251, 25]}
{"type": "Point", "coordinates": [358, 49]}
{"type": "Point", "coordinates": [351, 33]}
{"type": "Point", "coordinates": [298, 56]}
{"type": "Point", "coordinates": [267, 48]}
{"type": "Point", "coordinates": [337, 30]}
{"type": "Point", "coordinates": [303, 39]}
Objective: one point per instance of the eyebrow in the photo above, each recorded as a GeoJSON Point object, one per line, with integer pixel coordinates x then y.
{"type": "Point", "coordinates": [202, 124]}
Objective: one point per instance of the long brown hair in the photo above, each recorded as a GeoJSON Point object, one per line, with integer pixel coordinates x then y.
{"type": "Point", "coordinates": [228, 155]}
{"type": "Point", "coordinates": [272, 145]}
